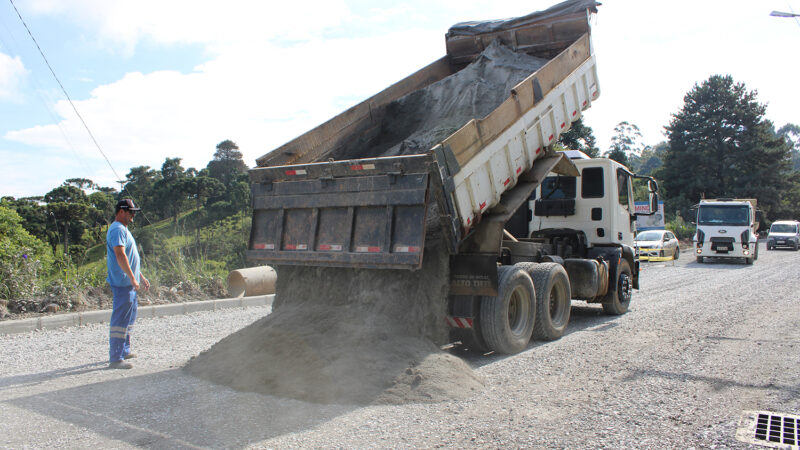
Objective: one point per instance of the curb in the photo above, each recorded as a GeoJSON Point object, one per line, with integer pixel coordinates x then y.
{"type": "Point", "coordinates": [144, 312]}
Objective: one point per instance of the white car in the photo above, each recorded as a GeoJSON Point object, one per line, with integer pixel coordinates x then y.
{"type": "Point", "coordinates": [784, 233]}
{"type": "Point", "coordinates": [657, 245]}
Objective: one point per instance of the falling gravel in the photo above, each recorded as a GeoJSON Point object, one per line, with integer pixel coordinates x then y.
{"type": "Point", "coordinates": [371, 336]}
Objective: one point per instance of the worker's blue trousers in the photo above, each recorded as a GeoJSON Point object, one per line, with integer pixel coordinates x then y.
{"type": "Point", "coordinates": [123, 314]}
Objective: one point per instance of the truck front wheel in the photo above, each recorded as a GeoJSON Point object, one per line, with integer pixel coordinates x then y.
{"type": "Point", "coordinates": [507, 319]}
{"type": "Point", "coordinates": [617, 302]}
{"type": "Point", "coordinates": [553, 299]}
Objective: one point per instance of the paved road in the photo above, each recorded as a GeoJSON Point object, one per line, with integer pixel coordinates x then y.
{"type": "Point", "coordinates": [701, 344]}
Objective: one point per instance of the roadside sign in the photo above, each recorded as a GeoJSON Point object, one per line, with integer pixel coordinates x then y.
{"type": "Point", "coordinates": [654, 222]}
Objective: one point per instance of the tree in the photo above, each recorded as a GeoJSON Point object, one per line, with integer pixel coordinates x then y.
{"type": "Point", "coordinates": [651, 159]}
{"type": "Point", "coordinates": [81, 183]}
{"type": "Point", "coordinates": [227, 164]}
{"type": "Point", "coordinates": [625, 143]}
{"type": "Point", "coordinates": [200, 188]}
{"type": "Point", "coordinates": [102, 212]}
{"type": "Point", "coordinates": [580, 137]}
{"type": "Point", "coordinates": [33, 214]}
{"type": "Point", "coordinates": [70, 207]}
{"type": "Point", "coordinates": [791, 133]}
{"type": "Point", "coordinates": [140, 185]}
{"type": "Point", "coordinates": [169, 193]}
{"type": "Point", "coordinates": [22, 257]}
{"type": "Point", "coordinates": [720, 145]}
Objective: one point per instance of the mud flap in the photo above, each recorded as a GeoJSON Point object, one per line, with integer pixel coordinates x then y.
{"type": "Point", "coordinates": [473, 275]}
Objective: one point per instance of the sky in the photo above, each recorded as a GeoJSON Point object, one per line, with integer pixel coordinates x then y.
{"type": "Point", "coordinates": [163, 79]}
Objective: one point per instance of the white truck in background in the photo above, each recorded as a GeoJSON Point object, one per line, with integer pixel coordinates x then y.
{"type": "Point", "coordinates": [518, 254]}
{"type": "Point", "coordinates": [727, 228]}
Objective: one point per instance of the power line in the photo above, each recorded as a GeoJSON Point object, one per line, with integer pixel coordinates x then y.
{"type": "Point", "coordinates": [69, 99]}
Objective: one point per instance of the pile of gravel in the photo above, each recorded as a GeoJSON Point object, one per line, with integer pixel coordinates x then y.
{"type": "Point", "coordinates": [370, 336]}
{"type": "Point", "coordinates": [347, 336]}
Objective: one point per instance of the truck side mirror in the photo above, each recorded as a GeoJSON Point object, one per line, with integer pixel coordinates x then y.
{"type": "Point", "coordinates": [652, 185]}
{"type": "Point", "coordinates": [759, 216]}
{"type": "Point", "coordinates": [653, 202]}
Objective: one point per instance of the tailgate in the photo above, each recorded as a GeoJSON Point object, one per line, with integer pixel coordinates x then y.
{"type": "Point", "coordinates": [366, 213]}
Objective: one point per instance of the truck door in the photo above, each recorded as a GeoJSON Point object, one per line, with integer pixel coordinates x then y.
{"type": "Point", "coordinates": [624, 226]}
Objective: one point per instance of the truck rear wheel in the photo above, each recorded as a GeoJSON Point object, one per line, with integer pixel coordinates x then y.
{"type": "Point", "coordinates": [617, 302]}
{"type": "Point", "coordinates": [553, 299]}
{"type": "Point", "coordinates": [507, 319]}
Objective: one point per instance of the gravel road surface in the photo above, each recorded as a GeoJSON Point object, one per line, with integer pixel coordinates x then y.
{"type": "Point", "coordinates": [701, 344]}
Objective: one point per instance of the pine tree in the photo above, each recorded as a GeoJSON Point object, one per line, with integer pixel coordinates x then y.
{"type": "Point", "coordinates": [720, 145]}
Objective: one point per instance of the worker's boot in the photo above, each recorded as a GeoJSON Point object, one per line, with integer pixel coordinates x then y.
{"type": "Point", "coordinates": [120, 365]}
{"type": "Point", "coordinates": [130, 355]}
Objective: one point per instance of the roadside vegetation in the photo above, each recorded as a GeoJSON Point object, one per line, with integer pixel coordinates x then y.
{"type": "Point", "coordinates": [191, 232]}
{"type": "Point", "coordinates": [194, 224]}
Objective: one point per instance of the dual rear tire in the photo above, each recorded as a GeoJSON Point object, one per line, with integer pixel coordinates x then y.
{"type": "Point", "coordinates": [507, 320]}
{"type": "Point", "coordinates": [532, 300]}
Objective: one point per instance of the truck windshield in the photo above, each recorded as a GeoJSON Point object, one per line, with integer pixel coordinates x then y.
{"type": "Point", "coordinates": [649, 236]}
{"type": "Point", "coordinates": [723, 215]}
{"type": "Point", "coordinates": [783, 228]}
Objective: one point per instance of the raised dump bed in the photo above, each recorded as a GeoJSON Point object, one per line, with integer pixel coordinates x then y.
{"type": "Point", "coordinates": [371, 212]}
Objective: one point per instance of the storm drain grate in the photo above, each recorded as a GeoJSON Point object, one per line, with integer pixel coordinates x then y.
{"type": "Point", "coordinates": [770, 429]}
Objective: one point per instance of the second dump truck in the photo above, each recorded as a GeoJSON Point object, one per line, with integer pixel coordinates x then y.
{"type": "Point", "coordinates": [527, 228]}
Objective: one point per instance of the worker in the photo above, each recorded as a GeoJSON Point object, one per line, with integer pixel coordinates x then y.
{"type": "Point", "coordinates": [124, 277]}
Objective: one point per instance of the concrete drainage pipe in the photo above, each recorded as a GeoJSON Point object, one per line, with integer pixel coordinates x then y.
{"type": "Point", "coordinates": [252, 281]}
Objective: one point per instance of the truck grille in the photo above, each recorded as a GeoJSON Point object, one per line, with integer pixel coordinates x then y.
{"type": "Point", "coordinates": [721, 245]}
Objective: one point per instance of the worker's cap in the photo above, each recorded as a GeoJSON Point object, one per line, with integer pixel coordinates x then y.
{"type": "Point", "coordinates": [127, 205]}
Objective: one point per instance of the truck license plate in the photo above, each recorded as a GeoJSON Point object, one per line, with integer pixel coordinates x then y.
{"type": "Point", "coordinates": [781, 242]}
{"type": "Point", "coordinates": [723, 247]}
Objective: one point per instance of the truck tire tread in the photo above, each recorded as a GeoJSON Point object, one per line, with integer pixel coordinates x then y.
{"type": "Point", "coordinates": [551, 320]}
{"type": "Point", "coordinates": [617, 302]}
{"type": "Point", "coordinates": [498, 332]}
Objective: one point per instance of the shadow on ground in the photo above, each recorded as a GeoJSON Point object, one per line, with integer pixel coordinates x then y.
{"type": "Point", "coordinates": [583, 317]}
{"type": "Point", "coordinates": [27, 380]}
{"type": "Point", "coordinates": [173, 410]}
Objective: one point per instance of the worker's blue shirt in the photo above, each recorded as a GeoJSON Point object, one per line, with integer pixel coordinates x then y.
{"type": "Point", "coordinates": [118, 234]}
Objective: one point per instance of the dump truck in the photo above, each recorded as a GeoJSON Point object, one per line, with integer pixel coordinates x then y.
{"type": "Point", "coordinates": [518, 253]}
{"type": "Point", "coordinates": [727, 228]}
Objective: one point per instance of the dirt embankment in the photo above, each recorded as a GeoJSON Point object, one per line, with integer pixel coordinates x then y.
{"type": "Point", "coordinates": [370, 336]}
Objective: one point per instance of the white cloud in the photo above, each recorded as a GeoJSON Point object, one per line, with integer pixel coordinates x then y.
{"type": "Point", "coordinates": [190, 21]}
{"type": "Point", "coordinates": [258, 102]}
{"type": "Point", "coordinates": [12, 75]}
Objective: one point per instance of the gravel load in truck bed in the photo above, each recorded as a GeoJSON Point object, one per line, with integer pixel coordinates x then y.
{"type": "Point", "coordinates": [413, 124]}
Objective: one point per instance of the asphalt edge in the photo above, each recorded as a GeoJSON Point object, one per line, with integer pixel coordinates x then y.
{"type": "Point", "coordinates": [144, 312]}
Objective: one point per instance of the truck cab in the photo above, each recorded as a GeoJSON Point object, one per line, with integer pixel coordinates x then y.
{"type": "Point", "coordinates": [599, 203]}
{"type": "Point", "coordinates": [726, 228]}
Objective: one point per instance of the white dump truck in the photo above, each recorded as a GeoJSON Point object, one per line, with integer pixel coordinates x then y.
{"type": "Point", "coordinates": [727, 228]}
{"type": "Point", "coordinates": [519, 250]}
